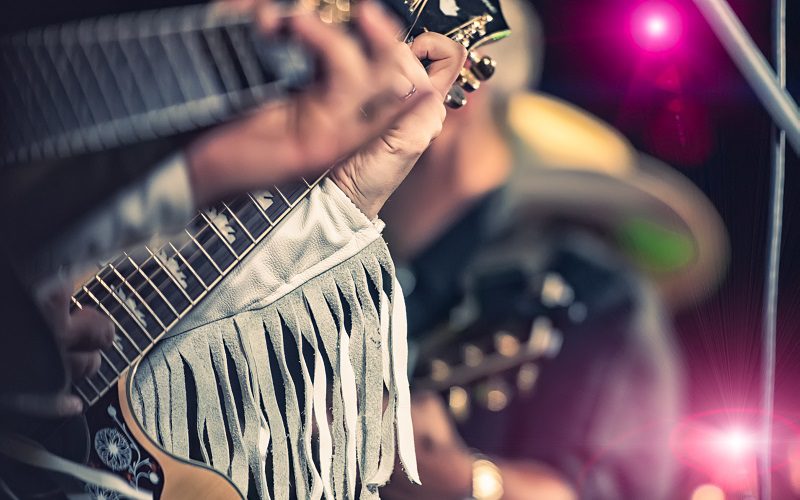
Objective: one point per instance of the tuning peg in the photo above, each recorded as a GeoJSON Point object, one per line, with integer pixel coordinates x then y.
{"type": "Point", "coordinates": [494, 394]}
{"type": "Point", "coordinates": [468, 81]}
{"type": "Point", "coordinates": [545, 340]}
{"type": "Point", "coordinates": [455, 98]}
{"type": "Point", "coordinates": [526, 378]}
{"type": "Point", "coordinates": [556, 292]}
{"type": "Point", "coordinates": [482, 67]}
{"type": "Point", "coordinates": [458, 401]}
{"type": "Point", "coordinates": [506, 343]}
{"type": "Point", "coordinates": [473, 355]}
{"type": "Point", "coordinates": [440, 370]}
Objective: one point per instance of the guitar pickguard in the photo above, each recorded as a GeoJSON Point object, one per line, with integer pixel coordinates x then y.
{"type": "Point", "coordinates": [114, 449]}
{"type": "Point", "coordinates": [119, 445]}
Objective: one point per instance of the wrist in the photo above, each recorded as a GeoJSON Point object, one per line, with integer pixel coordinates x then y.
{"type": "Point", "coordinates": [369, 205]}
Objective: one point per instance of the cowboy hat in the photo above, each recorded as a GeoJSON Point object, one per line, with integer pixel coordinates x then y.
{"type": "Point", "coordinates": [579, 168]}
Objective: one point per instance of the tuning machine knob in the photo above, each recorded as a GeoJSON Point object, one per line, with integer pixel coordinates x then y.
{"type": "Point", "coordinates": [468, 81]}
{"type": "Point", "coordinates": [455, 98]}
{"type": "Point", "coordinates": [482, 67]}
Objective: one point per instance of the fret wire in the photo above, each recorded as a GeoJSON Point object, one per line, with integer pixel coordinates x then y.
{"type": "Point", "coordinates": [228, 81]}
{"type": "Point", "coordinates": [86, 398]}
{"type": "Point", "coordinates": [104, 380]}
{"type": "Point", "coordinates": [43, 95]}
{"type": "Point", "coordinates": [89, 51]}
{"type": "Point", "coordinates": [245, 60]}
{"type": "Point", "coordinates": [189, 266]}
{"type": "Point", "coordinates": [119, 351]}
{"type": "Point", "coordinates": [221, 236]}
{"type": "Point", "coordinates": [306, 182]}
{"type": "Point", "coordinates": [261, 210]}
{"type": "Point", "coordinates": [94, 387]}
{"type": "Point", "coordinates": [149, 295]}
{"type": "Point", "coordinates": [119, 327]}
{"type": "Point", "coordinates": [48, 70]}
{"type": "Point", "coordinates": [81, 394]}
{"type": "Point", "coordinates": [204, 252]}
{"type": "Point", "coordinates": [147, 278]}
{"type": "Point", "coordinates": [28, 117]}
{"type": "Point", "coordinates": [126, 308]}
{"type": "Point", "coordinates": [148, 259]}
{"type": "Point", "coordinates": [200, 64]}
{"type": "Point", "coordinates": [50, 46]}
{"type": "Point", "coordinates": [247, 232]}
{"type": "Point", "coordinates": [162, 39]}
{"type": "Point", "coordinates": [89, 97]}
{"type": "Point", "coordinates": [169, 273]}
{"type": "Point", "coordinates": [178, 254]}
{"type": "Point", "coordinates": [127, 45]}
{"type": "Point", "coordinates": [25, 74]}
{"type": "Point", "coordinates": [100, 371]}
{"type": "Point", "coordinates": [115, 77]}
{"type": "Point", "coordinates": [135, 292]}
{"type": "Point", "coordinates": [283, 196]}
{"type": "Point", "coordinates": [113, 367]}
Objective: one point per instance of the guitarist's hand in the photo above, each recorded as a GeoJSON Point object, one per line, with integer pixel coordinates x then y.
{"type": "Point", "coordinates": [372, 174]}
{"type": "Point", "coordinates": [80, 335]}
{"type": "Point", "coordinates": [357, 96]}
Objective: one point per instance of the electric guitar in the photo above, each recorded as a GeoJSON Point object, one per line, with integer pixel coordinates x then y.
{"type": "Point", "coordinates": [115, 81]}
{"type": "Point", "coordinates": [518, 315]}
{"type": "Point", "coordinates": [146, 296]}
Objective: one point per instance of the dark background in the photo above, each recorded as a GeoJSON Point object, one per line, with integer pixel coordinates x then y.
{"type": "Point", "coordinates": [691, 107]}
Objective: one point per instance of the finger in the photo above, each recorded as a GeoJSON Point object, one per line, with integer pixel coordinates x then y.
{"type": "Point", "coordinates": [42, 405]}
{"type": "Point", "coordinates": [447, 58]}
{"type": "Point", "coordinates": [88, 330]}
{"type": "Point", "coordinates": [269, 16]}
{"type": "Point", "coordinates": [378, 29]}
{"type": "Point", "coordinates": [83, 364]}
{"type": "Point", "coordinates": [340, 57]}
{"type": "Point", "coordinates": [387, 108]}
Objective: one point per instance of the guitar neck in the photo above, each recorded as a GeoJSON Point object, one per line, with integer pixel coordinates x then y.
{"type": "Point", "coordinates": [89, 86]}
{"type": "Point", "coordinates": [146, 293]}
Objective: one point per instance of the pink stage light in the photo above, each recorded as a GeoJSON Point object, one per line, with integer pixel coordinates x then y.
{"type": "Point", "coordinates": [656, 26]}
{"type": "Point", "coordinates": [736, 442]}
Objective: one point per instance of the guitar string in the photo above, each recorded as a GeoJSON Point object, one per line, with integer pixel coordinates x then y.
{"type": "Point", "coordinates": [100, 393]}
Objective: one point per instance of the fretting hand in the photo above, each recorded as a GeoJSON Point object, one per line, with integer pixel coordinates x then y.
{"type": "Point", "coordinates": [357, 95]}
{"type": "Point", "coordinates": [375, 171]}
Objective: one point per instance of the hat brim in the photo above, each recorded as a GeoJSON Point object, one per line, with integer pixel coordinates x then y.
{"type": "Point", "coordinates": [649, 190]}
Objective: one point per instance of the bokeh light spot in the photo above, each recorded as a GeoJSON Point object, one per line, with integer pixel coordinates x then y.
{"type": "Point", "coordinates": [656, 26]}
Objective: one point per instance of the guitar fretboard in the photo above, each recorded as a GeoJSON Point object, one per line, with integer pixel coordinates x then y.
{"type": "Point", "coordinates": [146, 293]}
{"type": "Point", "coordinates": [101, 83]}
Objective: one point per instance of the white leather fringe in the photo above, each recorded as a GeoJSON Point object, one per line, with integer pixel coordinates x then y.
{"type": "Point", "coordinates": [288, 398]}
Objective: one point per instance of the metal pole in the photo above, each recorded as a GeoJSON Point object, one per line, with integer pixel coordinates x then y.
{"type": "Point", "coordinates": [740, 47]}
{"type": "Point", "coordinates": [768, 349]}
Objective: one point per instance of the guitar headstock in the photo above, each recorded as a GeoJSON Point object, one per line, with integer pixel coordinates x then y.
{"type": "Point", "coordinates": [472, 23]}
{"type": "Point", "coordinates": [491, 359]}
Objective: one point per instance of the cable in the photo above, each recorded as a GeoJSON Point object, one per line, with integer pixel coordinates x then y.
{"type": "Point", "coordinates": [772, 271]}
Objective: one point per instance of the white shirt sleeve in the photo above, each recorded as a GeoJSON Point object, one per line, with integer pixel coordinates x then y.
{"type": "Point", "coordinates": [323, 230]}
{"type": "Point", "coordinates": [161, 202]}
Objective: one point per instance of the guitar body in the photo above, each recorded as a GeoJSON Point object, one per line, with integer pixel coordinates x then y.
{"type": "Point", "coordinates": [118, 444]}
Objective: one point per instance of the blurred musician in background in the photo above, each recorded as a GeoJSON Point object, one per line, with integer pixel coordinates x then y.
{"type": "Point", "coordinates": [531, 226]}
